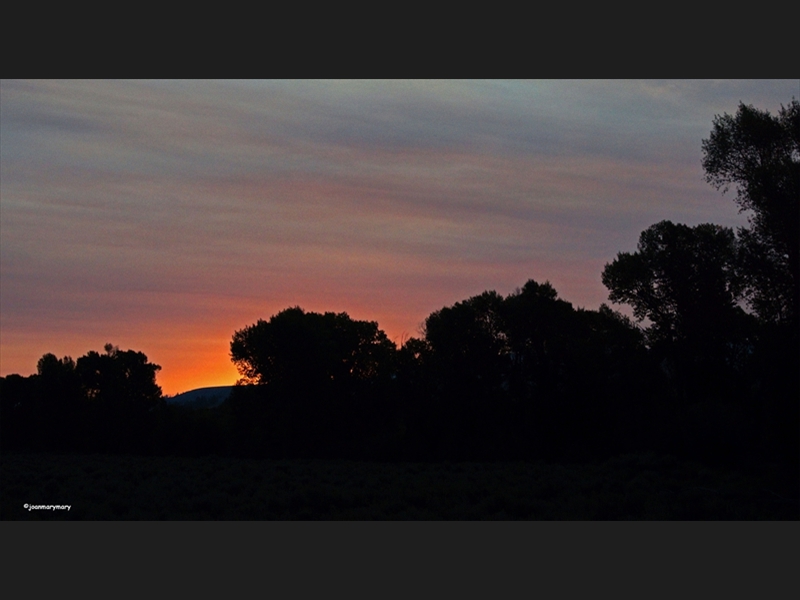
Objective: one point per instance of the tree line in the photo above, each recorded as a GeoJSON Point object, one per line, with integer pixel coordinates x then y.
{"type": "Point", "coordinates": [707, 367]}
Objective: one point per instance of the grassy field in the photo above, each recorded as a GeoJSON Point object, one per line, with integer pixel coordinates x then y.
{"type": "Point", "coordinates": [640, 487]}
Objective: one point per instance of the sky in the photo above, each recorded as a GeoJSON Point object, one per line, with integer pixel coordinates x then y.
{"type": "Point", "coordinates": [162, 216]}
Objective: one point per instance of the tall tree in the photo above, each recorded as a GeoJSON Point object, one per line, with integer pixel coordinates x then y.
{"type": "Point", "coordinates": [682, 279]}
{"type": "Point", "coordinates": [760, 154]}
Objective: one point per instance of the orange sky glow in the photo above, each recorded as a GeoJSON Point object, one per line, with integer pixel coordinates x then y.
{"type": "Point", "coordinates": [163, 216]}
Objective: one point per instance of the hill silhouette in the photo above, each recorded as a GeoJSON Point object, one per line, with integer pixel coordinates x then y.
{"type": "Point", "coordinates": [205, 397]}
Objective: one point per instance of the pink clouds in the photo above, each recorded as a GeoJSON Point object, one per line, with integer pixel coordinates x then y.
{"type": "Point", "coordinates": [166, 215]}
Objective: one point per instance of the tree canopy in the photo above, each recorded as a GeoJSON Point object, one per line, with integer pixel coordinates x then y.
{"type": "Point", "coordinates": [303, 348]}
{"type": "Point", "coordinates": [119, 377]}
{"type": "Point", "coordinates": [682, 279]}
{"type": "Point", "coordinates": [760, 154]}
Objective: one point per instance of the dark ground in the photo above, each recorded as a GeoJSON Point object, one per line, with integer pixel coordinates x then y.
{"type": "Point", "coordinates": [631, 487]}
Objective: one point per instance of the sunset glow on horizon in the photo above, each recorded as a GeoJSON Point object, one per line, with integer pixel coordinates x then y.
{"type": "Point", "coordinates": [163, 216]}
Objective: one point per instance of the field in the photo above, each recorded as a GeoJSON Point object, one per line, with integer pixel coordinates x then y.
{"type": "Point", "coordinates": [638, 487]}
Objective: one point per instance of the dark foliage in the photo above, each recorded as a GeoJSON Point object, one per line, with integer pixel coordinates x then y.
{"type": "Point", "coordinates": [297, 349]}
{"type": "Point", "coordinates": [104, 402]}
{"type": "Point", "coordinates": [760, 154]}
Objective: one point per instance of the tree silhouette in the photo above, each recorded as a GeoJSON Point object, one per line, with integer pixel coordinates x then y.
{"type": "Point", "coordinates": [59, 393]}
{"type": "Point", "coordinates": [119, 378]}
{"type": "Point", "coordinates": [299, 348]}
{"type": "Point", "coordinates": [681, 278]}
{"type": "Point", "coordinates": [121, 394]}
{"type": "Point", "coordinates": [468, 342]}
{"type": "Point", "coordinates": [760, 154]}
{"type": "Point", "coordinates": [541, 332]}
{"type": "Point", "coordinates": [102, 402]}
{"type": "Point", "coordinates": [684, 280]}
{"type": "Point", "coordinates": [320, 384]}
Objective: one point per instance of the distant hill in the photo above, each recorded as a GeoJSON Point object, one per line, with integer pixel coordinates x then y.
{"type": "Point", "coordinates": [206, 397]}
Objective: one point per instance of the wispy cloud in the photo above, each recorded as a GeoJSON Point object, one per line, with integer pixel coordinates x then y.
{"type": "Point", "coordinates": [181, 210]}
